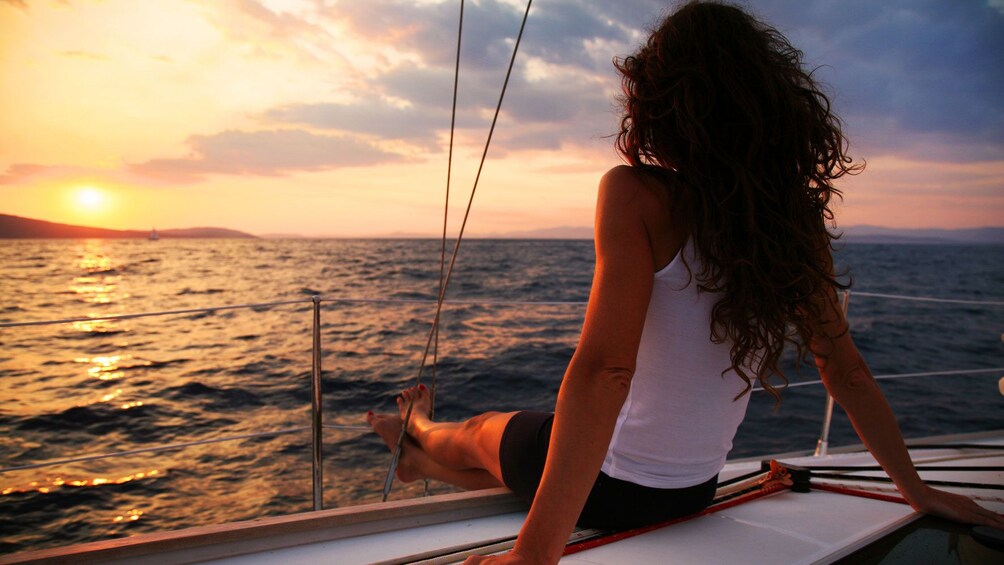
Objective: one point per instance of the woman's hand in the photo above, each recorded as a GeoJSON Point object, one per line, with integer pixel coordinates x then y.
{"type": "Point", "coordinates": [955, 507]}
{"type": "Point", "coordinates": [507, 558]}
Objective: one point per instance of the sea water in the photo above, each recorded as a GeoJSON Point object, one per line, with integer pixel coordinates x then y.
{"type": "Point", "coordinates": [92, 387]}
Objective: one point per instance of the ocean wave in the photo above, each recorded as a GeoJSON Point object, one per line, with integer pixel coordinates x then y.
{"type": "Point", "coordinates": [188, 291]}
{"type": "Point", "coordinates": [91, 334]}
{"type": "Point", "coordinates": [94, 419]}
{"type": "Point", "coordinates": [215, 397]}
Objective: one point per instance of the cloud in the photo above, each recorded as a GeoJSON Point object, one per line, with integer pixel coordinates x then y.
{"type": "Point", "coordinates": [17, 172]}
{"type": "Point", "coordinates": [22, 4]}
{"type": "Point", "coordinates": [430, 30]}
{"type": "Point", "coordinates": [272, 33]}
{"type": "Point", "coordinates": [368, 117]}
{"type": "Point", "coordinates": [907, 177]}
{"type": "Point", "coordinates": [916, 80]}
{"type": "Point", "coordinates": [557, 30]}
{"type": "Point", "coordinates": [920, 80]}
{"type": "Point", "coordinates": [84, 55]}
{"type": "Point", "coordinates": [536, 114]}
{"type": "Point", "coordinates": [908, 77]}
{"type": "Point", "coordinates": [268, 153]}
{"type": "Point", "coordinates": [553, 98]}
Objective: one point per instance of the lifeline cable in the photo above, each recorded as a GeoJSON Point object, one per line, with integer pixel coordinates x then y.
{"type": "Point", "coordinates": [955, 446]}
{"type": "Point", "coordinates": [960, 484]}
{"type": "Point", "coordinates": [893, 491]}
{"type": "Point", "coordinates": [813, 472]}
{"type": "Point", "coordinates": [388, 482]}
{"type": "Point", "coordinates": [917, 467]}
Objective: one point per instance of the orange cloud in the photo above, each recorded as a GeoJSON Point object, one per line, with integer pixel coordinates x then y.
{"type": "Point", "coordinates": [266, 153]}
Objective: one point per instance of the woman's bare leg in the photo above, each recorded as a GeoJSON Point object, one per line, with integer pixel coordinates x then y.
{"type": "Point", "coordinates": [464, 445]}
{"type": "Point", "coordinates": [415, 464]}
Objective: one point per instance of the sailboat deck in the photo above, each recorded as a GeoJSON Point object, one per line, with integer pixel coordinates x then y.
{"type": "Point", "coordinates": [787, 527]}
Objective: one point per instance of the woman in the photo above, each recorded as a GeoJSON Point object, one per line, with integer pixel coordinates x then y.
{"type": "Point", "coordinates": [712, 253]}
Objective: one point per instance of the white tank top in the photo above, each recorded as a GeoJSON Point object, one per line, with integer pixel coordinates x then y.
{"type": "Point", "coordinates": [679, 419]}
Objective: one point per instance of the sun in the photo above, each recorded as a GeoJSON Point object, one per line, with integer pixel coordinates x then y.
{"type": "Point", "coordinates": [90, 198]}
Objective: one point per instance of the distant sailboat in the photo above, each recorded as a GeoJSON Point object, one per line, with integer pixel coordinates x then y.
{"type": "Point", "coordinates": [154, 236]}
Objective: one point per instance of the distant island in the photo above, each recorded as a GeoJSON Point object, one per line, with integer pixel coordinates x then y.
{"type": "Point", "coordinates": [851, 234]}
{"type": "Point", "coordinates": [16, 227]}
{"type": "Point", "coordinates": [878, 234]}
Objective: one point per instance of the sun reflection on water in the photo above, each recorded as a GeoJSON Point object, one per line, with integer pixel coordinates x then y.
{"type": "Point", "coordinates": [94, 258]}
{"type": "Point", "coordinates": [100, 284]}
{"type": "Point", "coordinates": [106, 367]}
{"type": "Point", "coordinates": [130, 516]}
{"type": "Point", "coordinates": [96, 326]}
{"type": "Point", "coordinates": [111, 395]}
{"type": "Point", "coordinates": [94, 292]}
{"type": "Point", "coordinates": [50, 484]}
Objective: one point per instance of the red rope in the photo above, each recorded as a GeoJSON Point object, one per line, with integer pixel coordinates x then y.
{"type": "Point", "coordinates": [776, 482]}
{"type": "Point", "coordinates": [597, 542]}
{"type": "Point", "coordinates": [861, 493]}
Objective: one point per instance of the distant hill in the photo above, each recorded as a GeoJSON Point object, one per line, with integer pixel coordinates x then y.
{"type": "Point", "coordinates": [563, 232]}
{"type": "Point", "coordinates": [852, 234]}
{"type": "Point", "coordinates": [281, 236]}
{"type": "Point", "coordinates": [16, 227]}
{"type": "Point", "coordinates": [878, 234]}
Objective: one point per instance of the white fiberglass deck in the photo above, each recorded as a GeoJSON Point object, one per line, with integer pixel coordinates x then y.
{"type": "Point", "coordinates": [788, 527]}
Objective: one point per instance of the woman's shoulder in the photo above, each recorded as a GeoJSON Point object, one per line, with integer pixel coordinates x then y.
{"type": "Point", "coordinates": [637, 195]}
{"type": "Point", "coordinates": [648, 191]}
{"type": "Point", "coordinates": [641, 176]}
{"type": "Point", "coordinates": [635, 184]}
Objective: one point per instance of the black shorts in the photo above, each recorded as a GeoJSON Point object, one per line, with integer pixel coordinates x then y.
{"type": "Point", "coordinates": [613, 504]}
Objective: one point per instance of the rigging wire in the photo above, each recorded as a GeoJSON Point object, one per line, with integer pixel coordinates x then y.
{"type": "Point", "coordinates": [446, 216]}
{"type": "Point", "coordinates": [388, 482]}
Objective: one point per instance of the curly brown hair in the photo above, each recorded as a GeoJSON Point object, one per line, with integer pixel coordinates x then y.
{"type": "Point", "coordinates": [717, 102]}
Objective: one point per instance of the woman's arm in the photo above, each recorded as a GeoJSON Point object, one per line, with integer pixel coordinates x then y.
{"type": "Point", "coordinates": [850, 382]}
{"type": "Point", "coordinates": [597, 380]}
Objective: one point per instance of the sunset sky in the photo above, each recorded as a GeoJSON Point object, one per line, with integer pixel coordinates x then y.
{"type": "Point", "coordinates": [331, 117]}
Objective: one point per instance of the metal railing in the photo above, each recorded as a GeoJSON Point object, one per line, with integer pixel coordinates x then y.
{"type": "Point", "coordinates": [823, 443]}
{"type": "Point", "coordinates": [316, 426]}
{"type": "Point", "coordinates": [316, 421]}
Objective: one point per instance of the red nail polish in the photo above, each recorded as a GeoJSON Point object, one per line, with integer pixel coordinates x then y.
{"type": "Point", "coordinates": [370, 413]}
{"type": "Point", "coordinates": [421, 387]}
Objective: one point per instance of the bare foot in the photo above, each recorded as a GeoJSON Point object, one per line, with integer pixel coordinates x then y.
{"type": "Point", "coordinates": [388, 427]}
{"type": "Point", "coordinates": [422, 400]}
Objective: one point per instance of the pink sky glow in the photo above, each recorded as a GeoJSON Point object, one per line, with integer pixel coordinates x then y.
{"type": "Point", "coordinates": [332, 118]}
